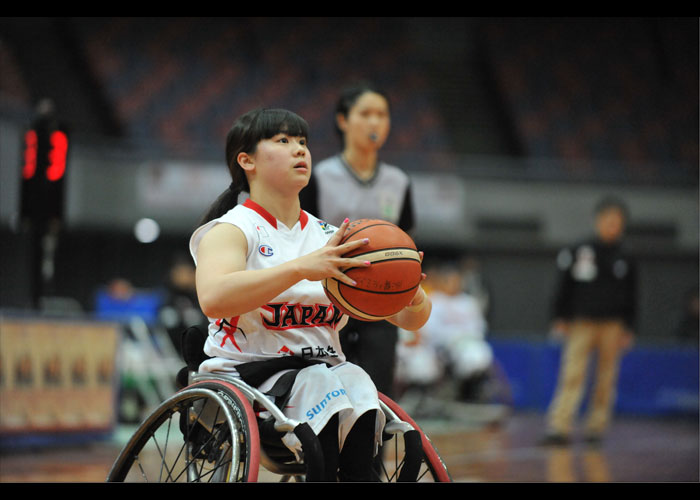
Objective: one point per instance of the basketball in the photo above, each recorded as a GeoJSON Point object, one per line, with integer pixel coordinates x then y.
{"type": "Point", "coordinates": [389, 283]}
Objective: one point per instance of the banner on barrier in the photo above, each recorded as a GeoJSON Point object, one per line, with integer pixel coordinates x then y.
{"type": "Point", "coordinates": [57, 375]}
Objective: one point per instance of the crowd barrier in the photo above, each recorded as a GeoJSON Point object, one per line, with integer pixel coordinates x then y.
{"type": "Point", "coordinates": [654, 379]}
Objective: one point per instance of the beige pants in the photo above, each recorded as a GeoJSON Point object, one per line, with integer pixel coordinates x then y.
{"type": "Point", "coordinates": [585, 337]}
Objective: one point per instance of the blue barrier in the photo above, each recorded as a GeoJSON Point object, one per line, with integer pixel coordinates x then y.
{"type": "Point", "coordinates": [654, 380]}
{"type": "Point", "coordinates": [144, 304]}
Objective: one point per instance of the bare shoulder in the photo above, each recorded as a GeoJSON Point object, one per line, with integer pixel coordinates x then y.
{"type": "Point", "coordinates": [223, 238]}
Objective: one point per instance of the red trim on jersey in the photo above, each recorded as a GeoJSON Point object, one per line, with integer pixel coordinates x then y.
{"type": "Point", "coordinates": [303, 216]}
{"type": "Point", "coordinates": [261, 211]}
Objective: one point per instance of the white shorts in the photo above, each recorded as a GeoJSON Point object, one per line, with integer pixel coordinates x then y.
{"type": "Point", "coordinates": [318, 393]}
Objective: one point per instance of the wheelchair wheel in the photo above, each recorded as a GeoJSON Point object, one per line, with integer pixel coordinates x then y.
{"type": "Point", "coordinates": [207, 432]}
{"type": "Point", "coordinates": [415, 452]}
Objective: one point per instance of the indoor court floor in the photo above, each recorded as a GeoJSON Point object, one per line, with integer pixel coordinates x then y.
{"type": "Point", "coordinates": [638, 449]}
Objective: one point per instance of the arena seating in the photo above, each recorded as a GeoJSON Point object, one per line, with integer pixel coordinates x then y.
{"type": "Point", "coordinates": [611, 92]}
{"type": "Point", "coordinates": [161, 85]}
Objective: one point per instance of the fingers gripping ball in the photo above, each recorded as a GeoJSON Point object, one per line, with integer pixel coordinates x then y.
{"type": "Point", "coordinates": [389, 283]}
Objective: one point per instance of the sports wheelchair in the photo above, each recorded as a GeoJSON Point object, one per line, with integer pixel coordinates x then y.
{"type": "Point", "coordinates": [211, 431]}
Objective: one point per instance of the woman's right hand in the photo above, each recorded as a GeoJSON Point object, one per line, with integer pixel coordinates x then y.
{"type": "Point", "coordinates": [328, 261]}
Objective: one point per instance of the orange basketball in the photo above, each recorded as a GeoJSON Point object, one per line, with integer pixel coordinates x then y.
{"type": "Point", "coordinates": [389, 283]}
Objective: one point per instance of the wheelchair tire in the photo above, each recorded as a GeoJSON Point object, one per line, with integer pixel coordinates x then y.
{"type": "Point", "coordinates": [431, 468]}
{"type": "Point", "coordinates": [207, 432]}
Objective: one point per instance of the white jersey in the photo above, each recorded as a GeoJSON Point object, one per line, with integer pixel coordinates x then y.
{"type": "Point", "coordinates": [301, 321]}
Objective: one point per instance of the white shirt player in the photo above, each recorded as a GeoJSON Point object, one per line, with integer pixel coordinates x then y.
{"type": "Point", "coordinates": [301, 321]}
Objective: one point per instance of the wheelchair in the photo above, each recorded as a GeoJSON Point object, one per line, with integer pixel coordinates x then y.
{"type": "Point", "coordinates": [217, 428]}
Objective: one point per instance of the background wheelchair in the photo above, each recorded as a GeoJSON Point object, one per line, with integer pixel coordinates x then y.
{"type": "Point", "coordinates": [212, 431]}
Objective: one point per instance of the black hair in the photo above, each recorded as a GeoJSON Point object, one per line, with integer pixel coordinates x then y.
{"type": "Point", "coordinates": [349, 96]}
{"type": "Point", "coordinates": [611, 202]}
{"type": "Point", "coordinates": [243, 137]}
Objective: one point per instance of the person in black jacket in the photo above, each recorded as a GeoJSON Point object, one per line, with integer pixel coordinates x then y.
{"type": "Point", "coordinates": [594, 311]}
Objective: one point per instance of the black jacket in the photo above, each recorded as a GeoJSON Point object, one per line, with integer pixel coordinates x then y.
{"type": "Point", "coordinates": [596, 281]}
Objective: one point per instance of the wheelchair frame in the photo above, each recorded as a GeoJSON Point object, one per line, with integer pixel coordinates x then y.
{"type": "Point", "coordinates": [234, 414]}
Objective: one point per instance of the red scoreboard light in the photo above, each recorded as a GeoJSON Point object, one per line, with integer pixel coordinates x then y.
{"type": "Point", "coordinates": [58, 153]}
{"type": "Point", "coordinates": [30, 154]}
{"type": "Point", "coordinates": [43, 172]}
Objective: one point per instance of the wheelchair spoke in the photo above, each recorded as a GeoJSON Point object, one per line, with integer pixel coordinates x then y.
{"type": "Point", "coordinates": [426, 470]}
{"type": "Point", "coordinates": [143, 472]}
{"type": "Point", "coordinates": [214, 441]}
{"type": "Point", "coordinates": [182, 453]}
{"type": "Point", "coordinates": [395, 466]}
{"type": "Point", "coordinates": [163, 464]}
{"type": "Point", "coordinates": [162, 453]}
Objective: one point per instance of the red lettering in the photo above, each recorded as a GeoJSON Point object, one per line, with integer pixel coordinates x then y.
{"type": "Point", "coordinates": [286, 316]}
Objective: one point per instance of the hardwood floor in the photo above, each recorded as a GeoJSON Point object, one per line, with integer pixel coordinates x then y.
{"type": "Point", "coordinates": [637, 450]}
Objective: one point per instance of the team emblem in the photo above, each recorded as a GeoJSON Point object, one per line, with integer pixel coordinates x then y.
{"type": "Point", "coordinates": [325, 227]}
{"type": "Point", "coordinates": [230, 328]}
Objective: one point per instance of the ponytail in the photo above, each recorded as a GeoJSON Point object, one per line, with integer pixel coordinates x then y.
{"type": "Point", "coordinates": [225, 202]}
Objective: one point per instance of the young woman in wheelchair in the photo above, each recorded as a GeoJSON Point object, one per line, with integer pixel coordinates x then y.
{"type": "Point", "coordinates": [260, 264]}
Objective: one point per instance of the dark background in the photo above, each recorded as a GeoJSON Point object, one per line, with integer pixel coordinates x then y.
{"type": "Point", "coordinates": [529, 120]}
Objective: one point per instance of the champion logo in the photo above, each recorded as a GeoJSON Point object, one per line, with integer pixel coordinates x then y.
{"type": "Point", "coordinates": [265, 250]}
